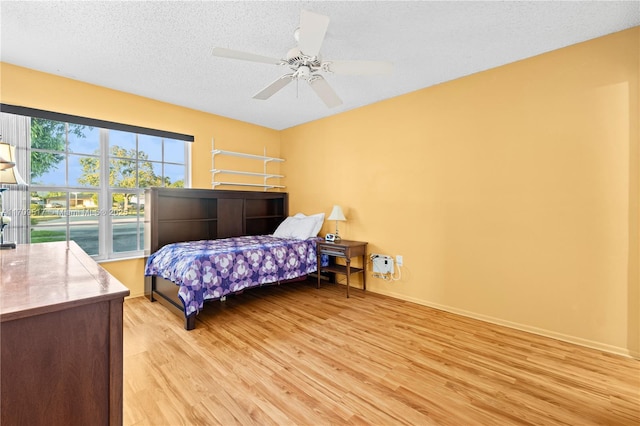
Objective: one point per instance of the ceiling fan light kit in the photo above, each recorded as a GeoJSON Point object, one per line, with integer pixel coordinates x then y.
{"type": "Point", "coordinates": [305, 61]}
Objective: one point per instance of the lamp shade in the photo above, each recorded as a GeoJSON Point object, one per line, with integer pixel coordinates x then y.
{"type": "Point", "coordinates": [336, 214]}
{"type": "Point", "coordinates": [9, 174]}
{"type": "Point", "coordinates": [7, 159]}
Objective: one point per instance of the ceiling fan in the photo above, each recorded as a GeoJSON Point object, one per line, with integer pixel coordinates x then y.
{"type": "Point", "coordinates": [305, 61]}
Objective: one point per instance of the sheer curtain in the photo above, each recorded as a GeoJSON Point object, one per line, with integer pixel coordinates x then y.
{"type": "Point", "coordinates": [16, 131]}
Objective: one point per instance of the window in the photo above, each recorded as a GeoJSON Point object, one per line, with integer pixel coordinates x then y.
{"type": "Point", "coordinates": [87, 183]}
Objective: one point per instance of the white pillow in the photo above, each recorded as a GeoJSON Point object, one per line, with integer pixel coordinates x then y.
{"type": "Point", "coordinates": [284, 229]}
{"type": "Point", "coordinates": [319, 220]}
{"type": "Point", "coordinates": [303, 228]}
{"type": "Point", "coordinates": [299, 228]}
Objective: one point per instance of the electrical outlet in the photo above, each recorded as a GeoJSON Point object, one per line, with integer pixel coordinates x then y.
{"type": "Point", "coordinates": [399, 259]}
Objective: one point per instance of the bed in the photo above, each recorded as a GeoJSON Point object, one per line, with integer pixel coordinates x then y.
{"type": "Point", "coordinates": [202, 245]}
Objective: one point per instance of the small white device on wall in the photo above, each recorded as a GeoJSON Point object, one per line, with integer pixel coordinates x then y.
{"type": "Point", "coordinates": [382, 264]}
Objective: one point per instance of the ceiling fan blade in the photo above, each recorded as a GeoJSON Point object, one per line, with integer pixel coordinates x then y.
{"type": "Point", "coordinates": [324, 91]}
{"type": "Point", "coordinates": [271, 89]}
{"type": "Point", "coordinates": [313, 28]}
{"type": "Point", "coordinates": [359, 67]}
{"type": "Point", "coordinates": [236, 54]}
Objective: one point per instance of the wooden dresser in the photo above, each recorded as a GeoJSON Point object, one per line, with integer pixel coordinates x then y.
{"type": "Point", "coordinates": [60, 338]}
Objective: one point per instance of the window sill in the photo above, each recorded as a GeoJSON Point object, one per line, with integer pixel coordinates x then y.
{"type": "Point", "coordinates": [131, 256]}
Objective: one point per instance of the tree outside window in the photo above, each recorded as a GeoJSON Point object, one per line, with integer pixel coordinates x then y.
{"type": "Point", "coordinates": [67, 186]}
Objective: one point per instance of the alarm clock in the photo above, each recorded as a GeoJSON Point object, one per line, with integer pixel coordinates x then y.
{"type": "Point", "coordinates": [330, 237]}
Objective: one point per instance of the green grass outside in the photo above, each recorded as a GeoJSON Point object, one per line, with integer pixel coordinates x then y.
{"type": "Point", "coordinates": [48, 236]}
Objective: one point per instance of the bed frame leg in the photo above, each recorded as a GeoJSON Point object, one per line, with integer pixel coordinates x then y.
{"type": "Point", "coordinates": [149, 287]}
{"type": "Point", "coordinates": [190, 322]}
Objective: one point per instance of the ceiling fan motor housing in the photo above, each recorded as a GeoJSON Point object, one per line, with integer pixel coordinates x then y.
{"type": "Point", "coordinates": [297, 59]}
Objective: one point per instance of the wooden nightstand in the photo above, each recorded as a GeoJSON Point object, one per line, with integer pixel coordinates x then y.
{"type": "Point", "coordinates": [347, 250]}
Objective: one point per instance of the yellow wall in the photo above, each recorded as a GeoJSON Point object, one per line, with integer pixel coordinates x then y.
{"type": "Point", "coordinates": [512, 194]}
{"type": "Point", "coordinates": [25, 87]}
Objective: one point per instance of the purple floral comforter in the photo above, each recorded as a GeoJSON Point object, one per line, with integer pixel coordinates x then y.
{"type": "Point", "coordinates": [210, 269]}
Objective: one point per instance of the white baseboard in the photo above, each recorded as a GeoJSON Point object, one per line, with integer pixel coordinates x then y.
{"type": "Point", "coordinates": [522, 327]}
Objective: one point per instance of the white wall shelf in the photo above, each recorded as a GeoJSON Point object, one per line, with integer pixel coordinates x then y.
{"type": "Point", "coordinates": [243, 155]}
{"type": "Point", "coordinates": [266, 185]}
{"type": "Point", "coordinates": [258, 185]}
{"type": "Point", "coordinates": [238, 172]}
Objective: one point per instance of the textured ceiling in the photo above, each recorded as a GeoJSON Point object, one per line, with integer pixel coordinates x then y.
{"type": "Point", "coordinates": [162, 50]}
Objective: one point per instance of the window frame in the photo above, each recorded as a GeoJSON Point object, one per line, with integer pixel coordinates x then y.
{"type": "Point", "coordinates": [105, 191]}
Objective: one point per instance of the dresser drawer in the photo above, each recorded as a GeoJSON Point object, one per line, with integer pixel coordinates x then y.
{"type": "Point", "coordinates": [332, 250]}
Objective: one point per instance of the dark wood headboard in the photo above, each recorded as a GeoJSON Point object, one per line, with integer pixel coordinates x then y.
{"type": "Point", "coordinates": [178, 214]}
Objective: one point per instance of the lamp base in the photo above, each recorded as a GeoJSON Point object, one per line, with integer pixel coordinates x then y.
{"type": "Point", "coordinates": [7, 246]}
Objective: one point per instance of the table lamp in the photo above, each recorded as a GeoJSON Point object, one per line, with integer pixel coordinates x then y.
{"type": "Point", "coordinates": [6, 156]}
{"type": "Point", "coordinates": [8, 176]}
{"type": "Point", "coordinates": [337, 215]}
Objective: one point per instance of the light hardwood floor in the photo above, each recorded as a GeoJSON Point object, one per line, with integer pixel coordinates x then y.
{"type": "Point", "coordinates": [296, 355]}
